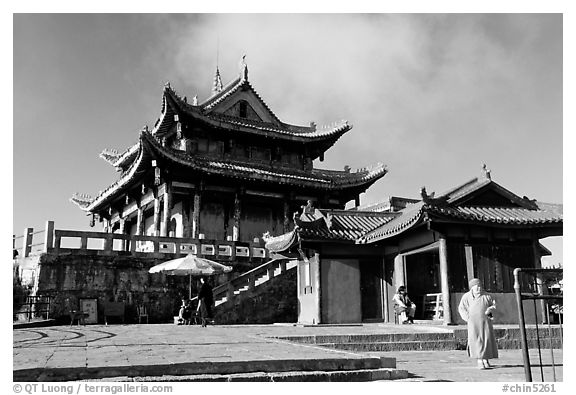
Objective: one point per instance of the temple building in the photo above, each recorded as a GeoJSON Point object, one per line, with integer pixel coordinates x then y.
{"type": "Point", "coordinates": [226, 168]}
{"type": "Point", "coordinates": [350, 262]}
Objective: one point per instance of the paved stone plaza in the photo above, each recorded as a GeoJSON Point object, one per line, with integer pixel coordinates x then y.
{"type": "Point", "coordinates": [164, 351]}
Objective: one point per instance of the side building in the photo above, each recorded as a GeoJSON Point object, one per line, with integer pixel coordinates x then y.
{"type": "Point", "coordinates": [350, 262]}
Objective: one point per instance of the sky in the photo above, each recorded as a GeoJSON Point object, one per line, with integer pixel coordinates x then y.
{"type": "Point", "coordinates": [432, 96]}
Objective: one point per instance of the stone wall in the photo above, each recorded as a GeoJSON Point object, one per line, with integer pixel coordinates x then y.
{"type": "Point", "coordinates": [68, 278]}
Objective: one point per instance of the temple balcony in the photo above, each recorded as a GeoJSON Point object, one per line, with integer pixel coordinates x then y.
{"type": "Point", "coordinates": [72, 242]}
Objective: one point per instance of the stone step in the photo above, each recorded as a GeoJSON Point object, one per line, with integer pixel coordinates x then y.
{"type": "Point", "coordinates": [288, 376]}
{"type": "Point", "coordinates": [370, 338]}
{"type": "Point", "coordinates": [442, 345]}
{"type": "Point", "coordinates": [206, 368]}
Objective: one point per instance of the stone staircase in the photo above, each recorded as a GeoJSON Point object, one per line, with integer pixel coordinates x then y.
{"type": "Point", "coordinates": [441, 340]}
{"type": "Point", "coordinates": [343, 368]}
{"type": "Point", "coordinates": [382, 342]}
{"type": "Point", "coordinates": [263, 295]}
{"type": "Point", "coordinates": [251, 279]}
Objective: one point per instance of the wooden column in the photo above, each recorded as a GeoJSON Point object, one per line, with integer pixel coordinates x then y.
{"type": "Point", "coordinates": [167, 212]}
{"type": "Point", "coordinates": [316, 288]}
{"type": "Point", "coordinates": [286, 216]}
{"type": "Point", "coordinates": [399, 271]}
{"type": "Point", "coordinates": [469, 261]}
{"type": "Point", "coordinates": [157, 216]}
{"type": "Point", "coordinates": [140, 222]}
{"type": "Point", "coordinates": [384, 290]}
{"type": "Point", "coordinates": [122, 231]}
{"type": "Point", "coordinates": [444, 284]}
{"type": "Point", "coordinates": [237, 213]}
{"type": "Point", "coordinates": [185, 218]}
{"type": "Point", "coordinates": [196, 215]}
{"type": "Point", "coordinates": [106, 225]}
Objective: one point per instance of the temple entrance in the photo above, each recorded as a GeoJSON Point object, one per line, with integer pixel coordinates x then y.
{"type": "Point", "coordinates": [371, 290]}
{"type": "Point", "coordinates": [423, 282]}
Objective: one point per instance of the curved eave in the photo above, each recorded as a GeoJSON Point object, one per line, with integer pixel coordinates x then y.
{"type": "Point", "coordinates": [251, 172]}
{"type": "Point", "coordinates": [82, 201]}
{"type": "Point", "coordinates": [284, 131]}
{"type": "Point", "coordinates": [282, 243]}
{"type": "Point", "coordinates": [405, 220]}
{"type": "Point", "coordinates": [126, 157]}
{"type": "Point", "coordinates": [125, 179]}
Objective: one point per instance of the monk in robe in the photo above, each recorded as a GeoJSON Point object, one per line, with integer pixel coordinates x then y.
{"type": "Point", "coordinates": [476, 308]}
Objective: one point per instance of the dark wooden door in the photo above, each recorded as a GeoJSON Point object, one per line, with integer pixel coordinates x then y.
{"type": "Point", "coordinates": [371, 289]}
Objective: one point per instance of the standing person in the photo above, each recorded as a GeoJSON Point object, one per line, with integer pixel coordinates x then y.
{"type": "Point", "coordinates": [205, 300]}
{"type": "Point", "coordinates": [403, 306]}
{"type": "Point", "coordinates": [476, 308]}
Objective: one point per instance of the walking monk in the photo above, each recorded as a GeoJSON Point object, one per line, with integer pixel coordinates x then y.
{"type": "Point", "coordinates": [476, 309]}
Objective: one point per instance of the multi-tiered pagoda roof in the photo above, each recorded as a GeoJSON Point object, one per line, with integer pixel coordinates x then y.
{"type": "Point", "coordinates": [222, 115]}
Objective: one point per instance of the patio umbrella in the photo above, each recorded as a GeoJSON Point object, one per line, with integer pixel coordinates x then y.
{"type": "Point", "coordinates": [190, 265]}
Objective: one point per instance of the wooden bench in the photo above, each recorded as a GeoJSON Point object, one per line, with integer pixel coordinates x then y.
{"type": "Point", "coordinates": [113, 309]}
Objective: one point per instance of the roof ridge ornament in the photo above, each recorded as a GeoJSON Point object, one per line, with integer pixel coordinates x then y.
{"type": "Point", "coordinates": [486, 172]}
{"type": "Point", "coordinates": [243, 69]}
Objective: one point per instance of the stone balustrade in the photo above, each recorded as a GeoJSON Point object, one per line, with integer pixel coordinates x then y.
{"type": "Point", "coordinates": [58, 241]}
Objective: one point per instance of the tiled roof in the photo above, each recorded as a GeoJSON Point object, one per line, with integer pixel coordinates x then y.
{"type": "Point", "coordinates": [278, 129]}
{"type": "Point", "coordinates": [546, 214]}
{"type": "Point", "coordinates": [335, 225]}
{"type": "Point", "coordinates": [407, 218]}
{"type": "Point", "coordinates": [504, 215]}
{"type": "Point", "coordinates": [228, 90]}
{"type": "Point", "coordinates": [344, 224]}
{"type": "Point", "coordinates": [316, 178]}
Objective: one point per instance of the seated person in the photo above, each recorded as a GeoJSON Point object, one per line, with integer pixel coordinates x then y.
{"type": "Point", "coordinates": [403, 306]}
{"type": "Point", "coordinates": [185, 313]}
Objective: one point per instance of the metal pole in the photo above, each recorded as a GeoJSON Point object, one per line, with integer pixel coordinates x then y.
{"type": "Point", "coordinates": [538, 341]}
{"type": "Point", "coordinates": [525, 355]}
{"type": "Point", "coordinates": [551, 344]}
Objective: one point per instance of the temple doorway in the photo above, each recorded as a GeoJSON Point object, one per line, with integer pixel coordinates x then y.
{"type": "Point", "coordinates": [371, 290]}
{"type": "Point", "coordinates": [423, 283]}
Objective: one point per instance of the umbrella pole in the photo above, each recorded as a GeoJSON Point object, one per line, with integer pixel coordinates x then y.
{"type": "Point", "coordinates": [190, 287]}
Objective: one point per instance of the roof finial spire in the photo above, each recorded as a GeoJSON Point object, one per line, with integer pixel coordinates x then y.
{"type": "Point", "coordinates": [217, 87]}
{"type": "Point", "coordinates": [243, 69]}
{"type": "Point", "coordinates": [217, 82]}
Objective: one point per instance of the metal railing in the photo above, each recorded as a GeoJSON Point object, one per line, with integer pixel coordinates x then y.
{"type": "Point", "coordinates": [33, 307]}
{"type": "Point", "coordinates": [544, 285]}
{"type": "Point", "coordinates": [30, 243]}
